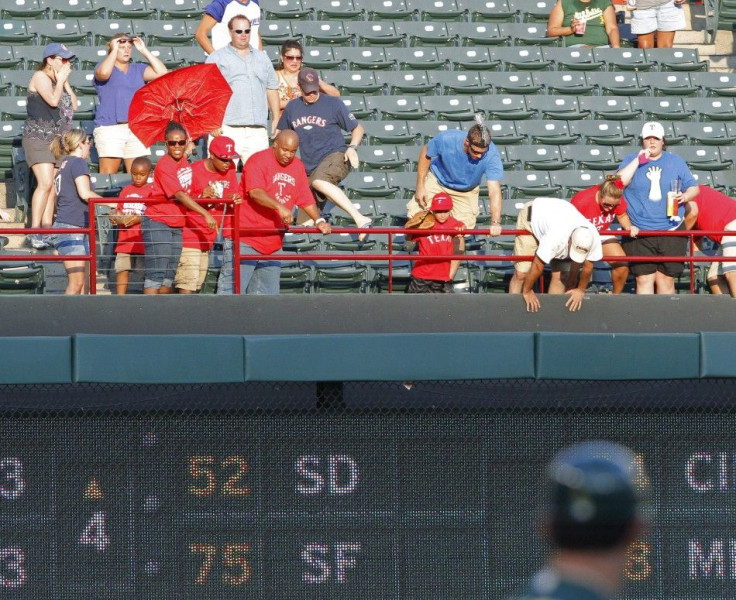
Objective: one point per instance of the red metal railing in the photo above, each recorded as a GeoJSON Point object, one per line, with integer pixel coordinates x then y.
{"type": "Point", "coordinates": [388, 255]}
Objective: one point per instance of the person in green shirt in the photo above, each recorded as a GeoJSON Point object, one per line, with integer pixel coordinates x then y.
{"type": "Point", "coordinates": [584, 23]}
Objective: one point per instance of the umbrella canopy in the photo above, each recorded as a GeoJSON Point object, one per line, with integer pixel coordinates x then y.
{"type": "Point", "coordinates": [194, 96]}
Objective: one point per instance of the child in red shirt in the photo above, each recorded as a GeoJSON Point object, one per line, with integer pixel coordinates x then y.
{"type": "Point", "coordinates": [129, 248]}
{"type": "Point", "coordinates": [443, 239]}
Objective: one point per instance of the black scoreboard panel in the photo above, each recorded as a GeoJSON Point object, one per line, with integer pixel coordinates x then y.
{"type": "Point", "coordinates": [410, 506]}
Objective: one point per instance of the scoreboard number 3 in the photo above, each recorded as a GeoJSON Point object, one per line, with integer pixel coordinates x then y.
{"type": "Point", "coordinates": [12, 481]}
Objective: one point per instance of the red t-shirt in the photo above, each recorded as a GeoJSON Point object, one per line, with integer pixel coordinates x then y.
{"type": "Point", "coordinates": [130, 240]}
{"type": "Point", "coordinates": [195, 178]}
{"type": "Point", "coordinates": [715, 211]}
{"type": "Point", "coordinates": [437, 240]}
{"type": "Point", "coordinates": [602, 219]}
{"type": "Point", "coordinates": [165, 185]}
{"type": "Point", "coordinates": [289, 185]}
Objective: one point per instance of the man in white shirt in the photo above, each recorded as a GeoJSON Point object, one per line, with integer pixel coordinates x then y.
{"type": "Point", "coordinates": [559, 232]}
{"type": "Point", "coordinates": [214, 22]}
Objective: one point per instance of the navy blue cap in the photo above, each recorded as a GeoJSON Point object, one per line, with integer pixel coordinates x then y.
{"type": "Point", "coordinates": [57, 49]}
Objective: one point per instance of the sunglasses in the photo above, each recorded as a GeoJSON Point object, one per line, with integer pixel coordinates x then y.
{"type": "Point", "coordinates": [173, 143]}
{"type": "Point", "coordinates": [606, 206]}
{"type": "Point", "coordinates": [125, 42]}
{"type": "Point", "coordinates": [241, 31]}
{"type": "Point", "coordinates": [288, 57]}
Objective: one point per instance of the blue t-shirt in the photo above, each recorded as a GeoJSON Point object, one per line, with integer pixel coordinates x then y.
{"type": "Point", "coordinates": [319, 127]}
{"type": "Point", "coordinates": [646, 195]}
{"type": "Point", "coordinates": [117, 93]}
{"type": "Point", "coordinates": [453, 167]}
{"type": "Point", "coordinates": [70, 208]}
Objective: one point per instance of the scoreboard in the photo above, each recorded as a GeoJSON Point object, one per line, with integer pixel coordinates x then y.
{"type": "Point", "coordinates": [414, 505]}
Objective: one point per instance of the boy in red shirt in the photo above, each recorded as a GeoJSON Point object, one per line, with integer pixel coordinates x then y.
{"type": "Point", "coordinates": [442, 239]}
{"type": "Point", "coordinates": [212, 177]}
{"type": "Point", "coordinates": [274, 182]}
{"type": "Point", "coordinates": [129, 248]}
{"type": "Point", "coordinates": [601, 204]}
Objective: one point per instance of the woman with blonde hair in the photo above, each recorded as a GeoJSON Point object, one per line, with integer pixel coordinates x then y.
{"type": "Point", "coordinates": [73, 190]}
{"type": "Point", "coordinates": [51, 103]}
{"type": "Point", "coordinates": [117, 79]}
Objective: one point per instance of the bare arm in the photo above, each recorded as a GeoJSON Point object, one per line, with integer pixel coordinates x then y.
{"type": "Point", "coordinates": [351, 154]}
{"type": "Point", "coordinates": [422, 169]}
{"type": "Point", "coordinates": [260, 196]}
{"type": "Point", "coordinates": [41, 83]}
{"type": "Point", "coordinates": [190, 204]}
{"type": "Point", "coordinates": [272, 97]}
{"type": "Point", "coordinates": [328, 88]}
{"type": "Point", "coordinates": [155, 67]}
{"type": "Point", "coordinates": [554, 23]}
{"type": "Point", "coordinates": [609, 22]}
{"type": "Point", "coordinates": [576, 294]}
{"type": "Point", "coordinates": [527, 291]}
{"type": "Point", "coordinates": [202, 35]}
{"type": "Point", "coordinates": [104, 69]}
{"type": "Point", "coordinates": [626, 173]}
{"type": "Point", "coordinates": [626, 224]}
{"type": "Point", "coordinates": [496, 202]}
{"type": "Point", "coordinates": [458, 247]}
{"type": "Point", "coordinates": [314, 214]}
{"type": "Point", "coordinates": [84, 190]}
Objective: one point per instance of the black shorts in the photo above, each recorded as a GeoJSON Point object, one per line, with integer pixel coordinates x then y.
{"type": "Point", "coordinates": [656, 246]}
{"type": "Point", "coordinates": [428, 286]}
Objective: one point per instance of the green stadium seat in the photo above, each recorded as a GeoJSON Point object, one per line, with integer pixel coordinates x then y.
{"type": "Point", "coordinates": [615, 108]}
{"type": "Point", "coordinates": [15, 83]}
{"type": "Point", "coordinates": [703, 158]}
{"type": "Point", "coordinates": [711, 109]}
{"type": "Point", "coordinates": [514, 82]}
{"type": "Point", "coordinates": [365, 58]}
{"type": "Point", "coordinates": [565, 82]}
{"type": "Point", "coordinates": [670, 83]}
{"type": "Point", "coordinates": [542, 157]}
{"type": "Point", "coordinates": [89, 57]}
{"type": "Point", "coordinates": [101, 30]}
{"type": "Point", "coordinates": [66, 31]}
{"type": "Point", "coordinates": [83, 83]}
{"type": "Point", "coordinates": [178, 9]}
{"type": "Point", "coordinates": [21, 278]}
{"type": "Point", "coordinates": [409, 154]}
{"type": "Point", "coordinates": [475, 34]}
{"type": "Point", "coordinates": [74, 9]}
{"type": "Point", "coordinates": [325, 10]}
{"type": "Point", "coordinates": [504, 107]}
{"type": "Point", "coordinates": [295, 279]}
{"type": "Point", "coordinates": [572, 181]}
{"type": "Point", "coordinates": [527, 34]}
{"type": "Point", "coordinates": [86, 109]}
{"type": "Point", "coordinates": [368, 184]}
{"type": "Point", "coordinates": [406, 183]}
{"type": "Point", "coordinates": [185, 55]}
{"type": "Point", "coordinates": [468, 59]}
{"type": "Point", "coordinates": [405, 82]}
{"type": "Point", "coordinates": [388, 132]}
{"type": "Point", "coordinates": [374, 33]}
{"type": "Point", "coordinates": [392, 211]}
{"type": "Point", "coordinates": [356, 104]}
{"type": "Point", "coordinates": [704, 177]}
{"type": "Point", "coordinates": [724, 181]}
{"type": "Point", "coordinates": [10, 59]}
{"type": "Point", "coordinates": [547, 131]}
{"type": "Point", "coordinates": [13, 108]}
{"type": "Point", "coordinates": [459, 82]}
{"type": "Point", "coordinates": [676, 59]}
{"type": "Point", "coordinates": [706, 134]}
{"type": "Point", "coordinates": [425, 130]}
{"type": "Point", "coordinates": [591, 157]}
{"type": "Point", "coordinates": [437, 10]}
{"type": "Point", "coordinates": [715, 83]}
{"type": "Point", "coordinates": [22, 9]}
{"type": "Point", "coordinates": [386, 9]}
{"type": "Point", "coordinates": [420, 57]}
{"type": "Point", "coordinates": [523, 58]}
{"type": "Point", "coordinates": [602, 132]}
{"type": "Point", "coordinates": [529, 184]}
{"type": "Point", "coordinates": [399, 277]}
{"type": "Point", "coordinates": [356, 82]}
{"type": "Point", "coordinates": [275, 33]}
{"type": "Point", "coordinates": [339, 278]}
{"type": "Point", "coordinates": [15, 32]}
{"type": "Point", "coordinates": [423, 33]}
{"type": "Point", "coordinates": [618, 83]}
{"type": "Point", "coordinates": [398, 107]}
{"type": "Point", "coordinates": [320, 57]}
{"type": "Point", "coordinates": [632, 129]}
{"type": "Point", "coordinates": [668, 108]}
{"type": "Point", "coordinates": [624, 59]}
{"type": "Point", "coordinates": [381, 158]}
{"type": "Point", "coordinates": [572, 59]}
{"type": "Point", "coordinates": [451, 108]}
{"type": "Point", "coordinates": [495, 11]}
{"type": "Point", "coordinates": [503, 132]}
{"type": "Point", "coordinates": [533, 11]}
{"type": "Point", "coordinates": [285, 9]}
{"type": "Point", "coordinates": [131, 9]}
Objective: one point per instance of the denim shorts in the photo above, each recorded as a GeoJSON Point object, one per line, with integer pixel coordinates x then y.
{"type": "Point", "coordinates": [70, 244]}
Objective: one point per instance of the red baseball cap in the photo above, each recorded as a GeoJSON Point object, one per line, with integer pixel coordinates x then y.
{"type": "Point", "coordinates": [223, 147]}
{"type": "Point", "coordinates": [441, 201]}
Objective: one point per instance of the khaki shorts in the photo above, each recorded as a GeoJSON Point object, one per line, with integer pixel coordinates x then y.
{"type": "Point", "coordinates": [192, 269]}
{"type": "Point", "coordinates": [465, 205]}
{"type": "Point", "coordinates": [728, 248]}
{"type": "Point", "coordinates": [128, 262]}
{"type": "Point", "coordinates": [333, 169]}
{"type": "Point", "coordinates": [525, 245]}
{"type": "Point", "coordinates": [118, 141]}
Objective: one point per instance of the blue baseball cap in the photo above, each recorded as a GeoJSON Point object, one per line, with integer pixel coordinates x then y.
{"type": "Point", "coordinates": [57, 49]}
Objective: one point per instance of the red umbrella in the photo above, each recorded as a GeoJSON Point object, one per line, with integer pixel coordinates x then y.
{"type": "Point", "coordinates": [194, 96]}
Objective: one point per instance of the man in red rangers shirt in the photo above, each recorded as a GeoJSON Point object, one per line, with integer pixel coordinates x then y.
{"type": "Point", "coordinates": [212, 177]}
{"type": "Point", "coordinates": [274, 182]}
{"type": "Point", "coordinates": [713, 211]}
{"type": "Point", "coordinates": [435, 276]}
{"type": "Point", "coordinates": [601, 204]}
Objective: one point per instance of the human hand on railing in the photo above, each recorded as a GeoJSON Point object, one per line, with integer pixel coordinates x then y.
{"type": "Point", "coordinates": [5, 216]}
{"type": "Point", "coordinates": [236, 198]}
{"type": "Point", "coordinates": [575, 301]}
{"type": "Point", "coordinates": [324, 228]}
{"type": "Point", "coordinates": [634, 231]}
{"type": "Point", "coordinates": [496, 229]}
{"type": "Point", "coordinates": [287, 217]}
{"type": "Point", "coordinates": [531, 300]}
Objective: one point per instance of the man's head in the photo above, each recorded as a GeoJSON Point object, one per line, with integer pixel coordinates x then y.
{"type": "Point", "coordinates": [477, 141]}
{"type": "Point", "coordinates": [285, 146]}
{"type": "Point", "coordinates": [594, 502]}
{"type": "Point", "coordinates": [222, 153]}
{"type": "Point", "coordinates": [309, 84]}
{"type": "Point", "coordinates": [441, 206]}
{"type": "Point", "coordinates": [581, 243]}
{"type": "Point", "coordinates": [140, 170]}
{"type": "Point", "coordinates": [239, 28]}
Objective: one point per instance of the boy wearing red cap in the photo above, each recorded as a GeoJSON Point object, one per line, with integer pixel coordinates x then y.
{"type": "Point", "coordinates": [212, 177]}
{"type": "Point", "coordinates": [442, 239]}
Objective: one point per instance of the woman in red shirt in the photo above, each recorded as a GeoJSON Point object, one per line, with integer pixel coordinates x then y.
{"type": "Point", "coordinates": [163, 222]}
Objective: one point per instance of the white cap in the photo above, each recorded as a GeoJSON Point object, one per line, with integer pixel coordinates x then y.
{"type": "Point", "coordinates": [652, 129]}
{"type": "Point", "coordinates": [581, 243]}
